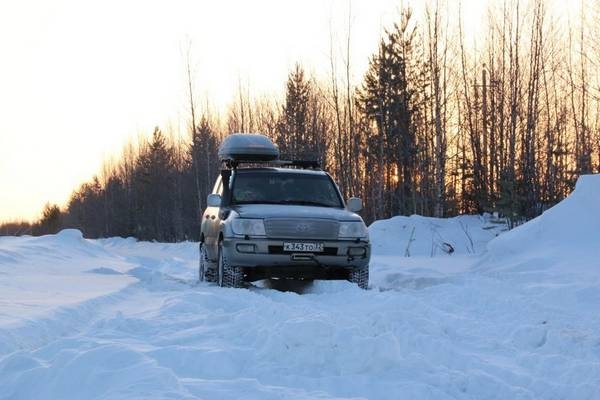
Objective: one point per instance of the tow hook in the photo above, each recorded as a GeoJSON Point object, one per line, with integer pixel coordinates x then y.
{"type": "Point", "coordinates": [303, 257]}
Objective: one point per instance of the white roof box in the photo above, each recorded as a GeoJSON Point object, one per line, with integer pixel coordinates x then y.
{"type": "Point", "coordinates": [247, 147]}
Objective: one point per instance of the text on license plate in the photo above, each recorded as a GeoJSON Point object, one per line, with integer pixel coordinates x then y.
{"type": "Point", "coordinates": [298, 246]}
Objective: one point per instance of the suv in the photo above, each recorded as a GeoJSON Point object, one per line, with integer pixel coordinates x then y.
{"type": "Point", "coordinates": [285, 219]}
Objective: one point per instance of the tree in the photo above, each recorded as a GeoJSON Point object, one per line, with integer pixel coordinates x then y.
{"type": "Point", "coordinates": [205, 164]}
{"type": "Point", "coordinates": [51, 221]}
{"type": "Point", "coordinates": [299, 135]}
{"type": "Point", "coordinates": [86, 210]}
{"type": "Point", "coordinates": [388, 101]}
{"type": "Point", "coordinates": [437, 49]}
{"type": "Point", "coordinates": [155, 189]}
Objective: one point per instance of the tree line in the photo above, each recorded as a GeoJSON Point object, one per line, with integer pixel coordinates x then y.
{"type": "Point", "coordinates": [435, 127]}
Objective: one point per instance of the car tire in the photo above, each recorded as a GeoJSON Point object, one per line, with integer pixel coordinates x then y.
{"type": "Point", "coordinates": [228, 276]}
{"type": "Point", "coordinates": [205, 272]}
{"type": "Point", "coordinates": [360, 276]}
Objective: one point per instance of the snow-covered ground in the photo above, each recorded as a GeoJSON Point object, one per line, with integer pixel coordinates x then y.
{"type": "Point", "coordinates": [508, 317]}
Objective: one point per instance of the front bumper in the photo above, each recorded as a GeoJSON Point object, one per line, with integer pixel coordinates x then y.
{"type": "Point", "coordinates": [261, 252]}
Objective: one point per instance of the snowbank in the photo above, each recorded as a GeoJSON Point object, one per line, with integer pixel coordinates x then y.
{"type": "Point", "coordinates": [425, 236]}
{"type": "Point", "coordinates": [42, 274]}
{"type": "Point", "coordinates": [565, 238]}
{"type": "Point", "coordinates": [416, 252]}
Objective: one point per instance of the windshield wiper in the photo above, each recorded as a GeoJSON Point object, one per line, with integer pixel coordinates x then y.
{"type": "Point", "coordinates": [307, 203]}
{"type": "Point", "coordinates": [256, 202]}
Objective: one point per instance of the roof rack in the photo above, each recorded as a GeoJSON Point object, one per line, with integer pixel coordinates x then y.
{"type": "Point", "coordinates": [304, 164]}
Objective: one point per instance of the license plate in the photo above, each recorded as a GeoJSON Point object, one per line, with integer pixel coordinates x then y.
{"type": "Point", "coordinates": [299, 246]}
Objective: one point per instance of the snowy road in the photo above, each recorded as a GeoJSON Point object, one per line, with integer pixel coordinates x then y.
{"type": "Point", "coordinates": [118, 319]}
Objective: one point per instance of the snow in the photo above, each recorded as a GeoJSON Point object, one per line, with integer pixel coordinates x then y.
{"type": "Point", "coordinates": [507, 315]}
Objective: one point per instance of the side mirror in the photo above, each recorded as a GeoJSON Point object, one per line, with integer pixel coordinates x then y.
{"type": "Point", "coordinates": [354, 204]}
{"type": "Point", "coordinates": [213, 200]}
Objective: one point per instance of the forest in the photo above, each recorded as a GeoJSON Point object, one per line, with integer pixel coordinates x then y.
{"type": "Point", "coordinates": [439, 125]}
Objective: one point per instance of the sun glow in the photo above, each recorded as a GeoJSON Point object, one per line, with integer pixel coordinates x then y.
{"type": "Point", "coordinates": [79, 79]}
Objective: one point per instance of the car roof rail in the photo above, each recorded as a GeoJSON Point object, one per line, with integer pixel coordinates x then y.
{"type": "Point", "coordinates": [303, 164]}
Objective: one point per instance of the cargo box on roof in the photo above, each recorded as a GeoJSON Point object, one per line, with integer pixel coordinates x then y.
{"type": "Point", "coordinates": [247, 147]}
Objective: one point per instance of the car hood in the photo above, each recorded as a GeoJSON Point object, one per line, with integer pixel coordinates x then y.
{"type": "Point", "coordinates": [294, 211]}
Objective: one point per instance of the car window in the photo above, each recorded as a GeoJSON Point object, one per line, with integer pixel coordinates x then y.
{"type": "Point", "coordinates": [285, 188]}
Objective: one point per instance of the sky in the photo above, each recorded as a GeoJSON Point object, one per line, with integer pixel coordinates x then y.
{"type": "Point", "coordinates": [79, 79]}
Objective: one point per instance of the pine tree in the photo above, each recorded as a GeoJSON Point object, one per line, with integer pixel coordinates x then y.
{"type": "Point", "coordinates": [51, 221]}
{"type": "Point", "coordinates": [154, 187]}
{"type": "Point", "coordinates": [387, 98]}
{"type": "Point", "coordinates": [297, 137]}
{"type": "Point", "coordinates": [205, 166]}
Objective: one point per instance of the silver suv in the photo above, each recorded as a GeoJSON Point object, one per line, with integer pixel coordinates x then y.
{"type": "Point", "coordinates": [285, 220]}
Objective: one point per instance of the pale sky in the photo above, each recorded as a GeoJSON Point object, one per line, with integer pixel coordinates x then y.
{"type": "Point", "coordinates": [79, 78]}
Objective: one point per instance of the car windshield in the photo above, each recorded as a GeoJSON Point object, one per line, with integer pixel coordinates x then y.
{"type": "Point", "coordinates": [285, 188]}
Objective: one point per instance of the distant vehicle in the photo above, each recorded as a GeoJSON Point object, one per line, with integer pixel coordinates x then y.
{"type": "Point", "coordinates": [268, 218]}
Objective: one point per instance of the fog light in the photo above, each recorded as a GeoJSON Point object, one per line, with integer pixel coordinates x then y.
{"type": "Point", "coordinates": [357, 251]}
{"type": "Point", "coordinates": [245, 248]}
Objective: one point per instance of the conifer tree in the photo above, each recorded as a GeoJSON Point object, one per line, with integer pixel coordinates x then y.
{"type": "Point", "coordinates": [155, 188]}
{"type": "Point", "coordinates": [387, 100]}
{"type": "Point", "coordinates": [205, 164]}
{"type": "Point", "coordinates": [296, 137]}
{"type": "Point", "coordinates": [51, 221]}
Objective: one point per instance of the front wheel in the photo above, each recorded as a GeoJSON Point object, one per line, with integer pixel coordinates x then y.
{"type": "Point", "coordinates": [205, 273]}
{"type": "Point", "coordinates": [229, 276]}
{"type": "Point", "coordinates": [360, 276]}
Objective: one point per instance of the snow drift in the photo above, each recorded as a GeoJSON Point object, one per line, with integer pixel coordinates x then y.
{"type": "Point", "coordinates": [575, 219]}
{"type": "Point", "coordinates": [425, 236]}
{"type": "Point", "coordinates": [565, 239]}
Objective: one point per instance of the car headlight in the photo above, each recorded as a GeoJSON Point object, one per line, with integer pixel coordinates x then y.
{"type": "Point", "coordinates": [253, 227]}
{"type": "Point", "coordinates": [356, 229]}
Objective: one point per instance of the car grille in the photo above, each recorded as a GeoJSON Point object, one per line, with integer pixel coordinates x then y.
{"type": "Point", "coordinates": [302, 228]}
